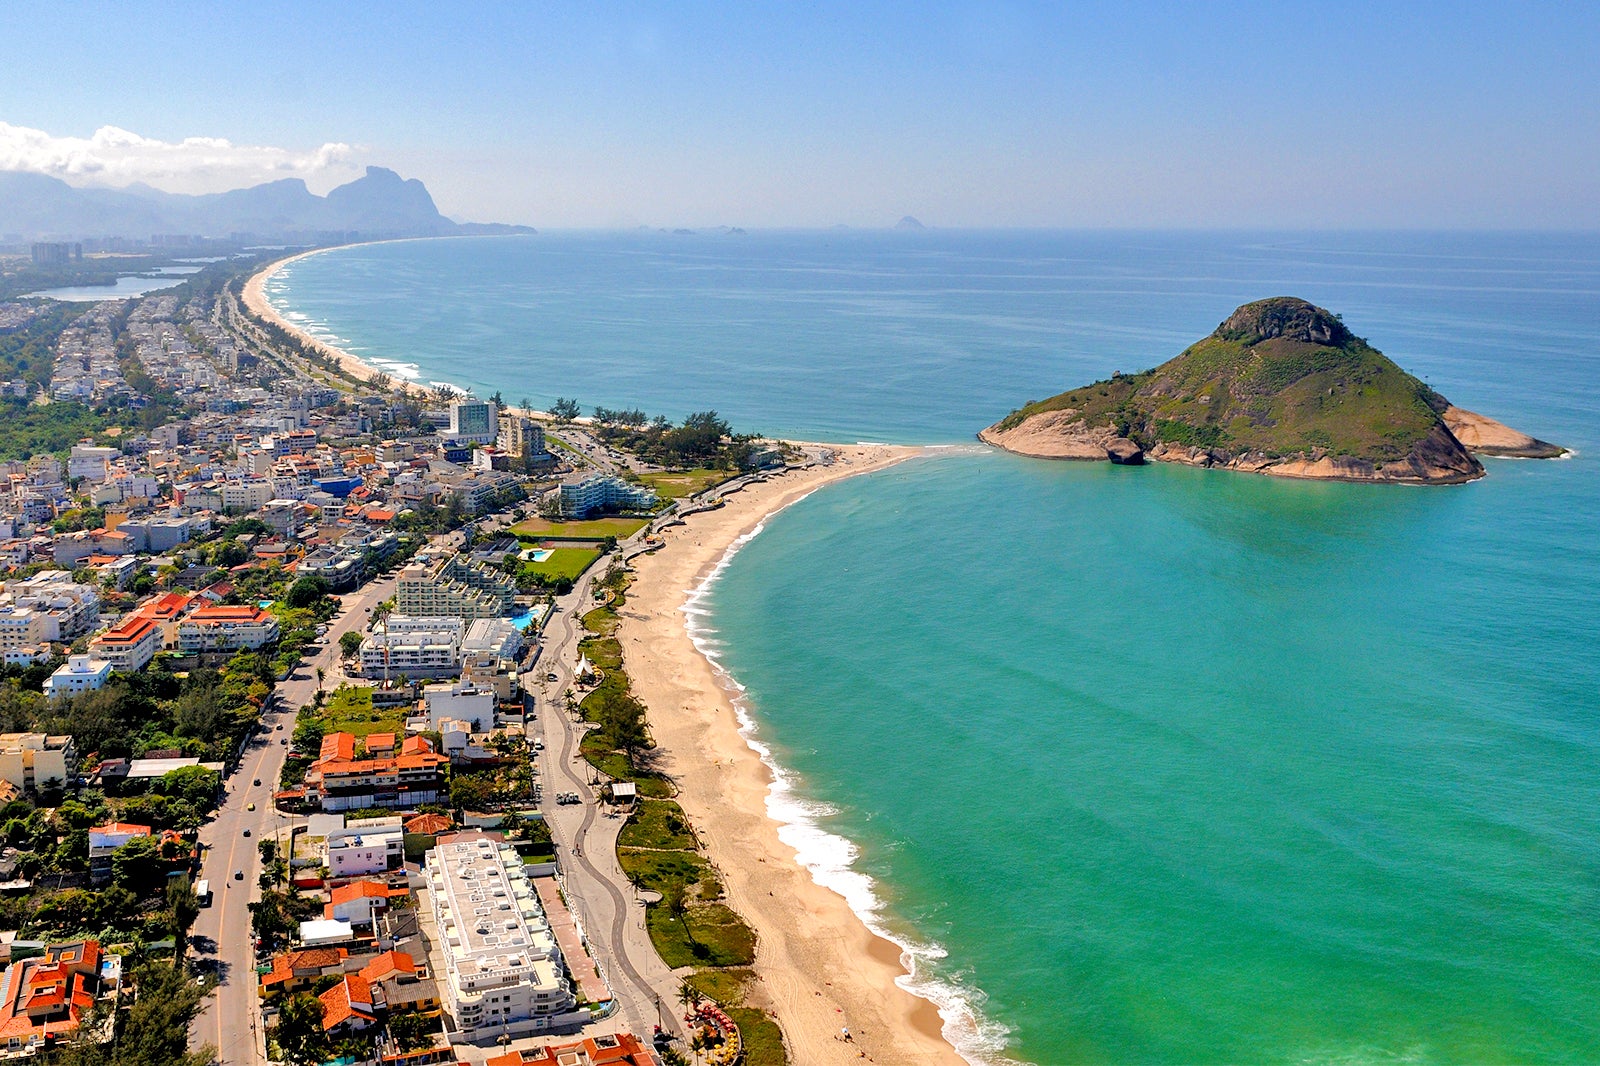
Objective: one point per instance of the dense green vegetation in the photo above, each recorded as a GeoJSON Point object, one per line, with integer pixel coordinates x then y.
{"type": "Point", "coordinates": [203, 713]}
{"type": "Point", "coordinates": [1279, 377]}
{"type": "Point", "coordinates": [703, 440]}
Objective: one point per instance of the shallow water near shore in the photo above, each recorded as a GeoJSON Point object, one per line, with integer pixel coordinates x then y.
{"type": "Point", "coordinates": [1170, 765]}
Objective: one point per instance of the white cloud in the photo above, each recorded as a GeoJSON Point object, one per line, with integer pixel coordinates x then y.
{"type": "Point", "coordinates": [113, 156]}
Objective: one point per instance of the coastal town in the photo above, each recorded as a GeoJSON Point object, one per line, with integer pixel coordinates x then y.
{"type": "Point", "coordinates": [318, 740]}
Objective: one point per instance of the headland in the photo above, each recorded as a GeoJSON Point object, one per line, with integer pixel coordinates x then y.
{"type": "Point", "coordinates": [1281, 387]}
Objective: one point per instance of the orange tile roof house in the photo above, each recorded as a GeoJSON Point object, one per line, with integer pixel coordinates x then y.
{"type": "Point", "coordinates": [349, 1005]}
{"type": "Point", "coordinates": [339, 781]}
{"type": "Point", "coordinates": [294, 970]}
{"type": "Point", "coordinates": [46, 998]}
{"type": "Point", "coordinates": [358, 902]}
{"type": "Point", "coordinates": [622, 1049]}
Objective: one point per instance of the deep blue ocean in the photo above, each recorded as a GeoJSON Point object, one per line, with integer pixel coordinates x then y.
{"type": "Point", "coordinates": [1146, 764]}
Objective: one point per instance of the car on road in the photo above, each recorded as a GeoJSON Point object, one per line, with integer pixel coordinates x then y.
{"type": "Point", "coordinates": [278, 727]}
{"type": "Point", "coordinates": [551, 677]}
{"type": "Point", "coordinates": [247, 832]}
{"type": "Point", "coordinates": [256, 782]}
{"type": "Point", "coordinates": [283, 740]}
{"type": "Point", "coordinates": [249, 806]}
{"type": "Point", "coordinates": [238, 875]}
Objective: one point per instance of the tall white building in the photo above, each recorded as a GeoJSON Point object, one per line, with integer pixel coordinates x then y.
{"type": "Point", "coordinates": [504, 974]}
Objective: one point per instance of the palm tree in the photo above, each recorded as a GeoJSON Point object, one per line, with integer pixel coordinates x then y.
{"type": "Point", "coordinates": [320, 675]}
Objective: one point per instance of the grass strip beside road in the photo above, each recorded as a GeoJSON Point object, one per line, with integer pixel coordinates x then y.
{"type": "Point", "coordinates": [535, 529]}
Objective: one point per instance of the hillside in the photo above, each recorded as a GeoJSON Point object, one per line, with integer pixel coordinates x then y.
{"type": "Point", "coordinates": [1280, 387]}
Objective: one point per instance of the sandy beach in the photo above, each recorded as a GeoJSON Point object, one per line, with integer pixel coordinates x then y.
{"type": "Point", "coordinates": [255, 300]}
{"type": "Point", "coordinates": [821, 968]}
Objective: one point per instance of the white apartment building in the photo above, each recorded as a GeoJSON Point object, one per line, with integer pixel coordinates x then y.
{"type": "Point", "coordinates": [504, 975]}
{"type": "Point", "coordinates": [88, 461]}
{"type": "Point", "coordinates": [495, 638]}
{"type": "Point", "coordinates": [20, 627]}
{"type": "Point", "coordinates": [602, 492]}
{"type": "Point", "coordinates": [454, 586]}
{"type": "Point", "coordinates": [80, 673]}
{"type": "Point", "coordinates": [68, 608]}
{"type": "Point", "coordinates": [461, 701]}
{"type": "Point", "coordinates": [413, 647]}
{"type": "Point", "coordinates": [226, 628]}
{"type": "Point", "coordinates": [366, 846]}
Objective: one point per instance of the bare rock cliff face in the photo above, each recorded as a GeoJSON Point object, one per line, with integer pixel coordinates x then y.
{"type": "Point", "coordinates": [1438, 460]}
{"type": "Point", "coordinates": [1487, 437]}
{"type": "Point", "coordinates": [1057, 435]}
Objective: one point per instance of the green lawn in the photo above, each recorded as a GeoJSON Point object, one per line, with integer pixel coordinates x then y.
{"type": "Point", "coordinates": [659, 824]}
{"type": "Point", "coordinates": [594, 529]}
{"type": "Point", "coordinates": [709, 935]}
{"type": "Point", "coordinates": [349, 710]}
{"type": "Point", "coordinates": [566, 563]}
{"type": "Point", "coordinates": [723, 987]}
{"type": "Point", "coordinates": [654, 870]}
{"type": "Point", "coordinates": [673, 485]}
{"type": "Point", "coordinates": [760, 1037]}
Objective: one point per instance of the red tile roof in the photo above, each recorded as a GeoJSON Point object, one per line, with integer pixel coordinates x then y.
{"type": "Point", "coordinates": [350, 999]}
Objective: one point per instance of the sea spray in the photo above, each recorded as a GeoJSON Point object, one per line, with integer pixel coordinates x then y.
{"type": "Point", "coordinates": [830, 859]}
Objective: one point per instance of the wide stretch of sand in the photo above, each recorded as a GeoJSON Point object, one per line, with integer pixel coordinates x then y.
{"type": "Point", "coordinates": [256, 302]}
{"type": "Point", "coordinates": [820, 967]}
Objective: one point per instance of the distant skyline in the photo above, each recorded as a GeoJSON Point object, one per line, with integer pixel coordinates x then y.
{"type": "Point", "coordinates": [1141, 114]}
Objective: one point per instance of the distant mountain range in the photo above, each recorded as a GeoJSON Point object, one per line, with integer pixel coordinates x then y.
{"type": "Point", "coordinates": [381, 204]}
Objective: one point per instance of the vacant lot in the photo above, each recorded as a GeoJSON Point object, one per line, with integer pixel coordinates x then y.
{"type": "Point", "coordinates": [349, 710]}
{"type": "Point", "coordinates": [672, 485]}
{"type": "Point", "coordinates": [594, 529]}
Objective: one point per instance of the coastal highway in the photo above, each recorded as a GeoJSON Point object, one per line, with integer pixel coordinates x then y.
{"type": "Point", "coordinates": [230, 1020]}
{"type": "Point", "coordinates": [607, 905]}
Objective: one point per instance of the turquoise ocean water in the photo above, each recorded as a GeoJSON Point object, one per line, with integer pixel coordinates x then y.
{"type": "Point", "coordinates": [1144, 765]}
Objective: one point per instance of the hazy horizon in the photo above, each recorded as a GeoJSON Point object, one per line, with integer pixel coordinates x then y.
{"type": "Point", "coordinates": [1155, 116]}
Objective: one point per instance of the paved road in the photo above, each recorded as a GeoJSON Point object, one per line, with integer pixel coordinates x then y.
{"type": "Point", "coordinates": [599, 892]}
{"type": "Point", "coordinates": [230, 1021]}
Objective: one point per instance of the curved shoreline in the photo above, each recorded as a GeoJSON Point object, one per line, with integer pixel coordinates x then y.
{"type": "Point", "coordinates": [255, 300]}
{"type": "Point", "coordinates": [823, 964]}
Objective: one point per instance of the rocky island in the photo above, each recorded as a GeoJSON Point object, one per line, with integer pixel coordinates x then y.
{"type": "Point", "coordinates": [1280, 387]}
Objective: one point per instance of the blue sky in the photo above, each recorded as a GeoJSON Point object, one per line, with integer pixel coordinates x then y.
{"type": "Point", "coordinates": [1133, 114]}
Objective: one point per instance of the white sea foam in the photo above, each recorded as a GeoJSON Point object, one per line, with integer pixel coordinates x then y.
{"type": "Point", "coordinates": [830, 858]}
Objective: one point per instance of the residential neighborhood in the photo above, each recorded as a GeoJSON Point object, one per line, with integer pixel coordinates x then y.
{"type": "Point", "coordinates": [279, 678]}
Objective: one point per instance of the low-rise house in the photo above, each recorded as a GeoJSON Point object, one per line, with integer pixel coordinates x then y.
{"type": "Point", "coordinates": [349, 1006]}
{"type": "Point", "coordinates": [402, 983]}
{"type": "Point", "coordinates": [104, 840]}
{"type": "Point", "coordinates": [293, 971]}
{"type": "Point", "coordinates": [47, 998]}
{"type": "Point", "coordinates": [607, 1049]}
{"type": "Point", "coordinates": [361, 849]}
{"type": "Point", "coordinates": [359, 903]}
